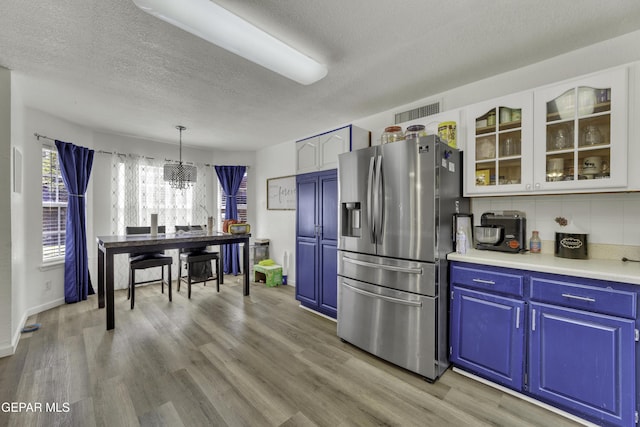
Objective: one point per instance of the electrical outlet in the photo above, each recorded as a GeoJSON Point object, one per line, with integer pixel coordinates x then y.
{"type": "Point", "coordinates": [47, 285]}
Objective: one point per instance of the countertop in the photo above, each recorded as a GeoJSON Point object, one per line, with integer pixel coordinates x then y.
{"type": "Point", "coordinates": [612, 270]}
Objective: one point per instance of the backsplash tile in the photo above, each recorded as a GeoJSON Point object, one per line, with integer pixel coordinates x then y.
{"type": "Point", "coordinates": [631, 213]}
{"type": "Point", "coordinates": [611, 220]}
{"type": "Point", "coordinates": [546, 210]}
{"type": "Point", "coordinates": [578, 213]}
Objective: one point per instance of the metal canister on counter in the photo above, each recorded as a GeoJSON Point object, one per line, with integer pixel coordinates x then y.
{"type": "Point", "coordinates": [447, 131]}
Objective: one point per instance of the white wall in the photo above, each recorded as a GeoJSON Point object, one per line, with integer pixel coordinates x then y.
{"type": "Point", "coordinates": [32, 296]}
{"type": "Point", "coordinates": [597, 57]}
{"type": "Point", "coordinates": [6, 288]}
{"type": "Point", "coordinates": [280, 227]}
{"type": "Point", "coordinates": [276, 225]}
{"type": "Point", "coordinates": [28, 276]}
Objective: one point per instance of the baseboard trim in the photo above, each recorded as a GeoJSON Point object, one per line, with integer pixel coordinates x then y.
{"type": "Point", "coordinates": [7, 351]}
{"type": "Point", "coordinates": [318, 313]}
{"type": "Point", "coordinates": [11, 349]}
{"type": "Point", "coordinates": [44, 307]}
{"type": "Point", "coordinates": [525, 398]}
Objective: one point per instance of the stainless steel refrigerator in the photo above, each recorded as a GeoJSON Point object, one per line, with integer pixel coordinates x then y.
{"type": "Point", "coordinates": [396, 208]}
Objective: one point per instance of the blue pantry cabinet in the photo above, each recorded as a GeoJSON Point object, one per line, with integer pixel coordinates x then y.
{"type": "Point", "coordinates": [317, 241]}
{"type": "Point", "coordinates": [570, 342]}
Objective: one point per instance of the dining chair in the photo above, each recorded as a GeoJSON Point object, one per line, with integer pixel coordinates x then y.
{"type": "Point", "coordinates": [142, 261]}
{"type": "Point", "coordinates": [197, 262]}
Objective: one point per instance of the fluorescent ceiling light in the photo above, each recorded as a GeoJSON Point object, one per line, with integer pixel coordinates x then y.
{"type": "Point", "coordinates": [221, 27]}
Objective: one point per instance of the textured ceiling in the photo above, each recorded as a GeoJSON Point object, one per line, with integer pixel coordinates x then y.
{"type": "Point", "coordinates": [109, 66]}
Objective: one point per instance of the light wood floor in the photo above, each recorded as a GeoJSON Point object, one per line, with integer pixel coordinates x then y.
{"type": "Point", "coordinates": [223, 359]}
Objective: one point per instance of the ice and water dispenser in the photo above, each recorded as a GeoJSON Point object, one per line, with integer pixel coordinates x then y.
{"type": "Point", "coordinates": [350, 218]}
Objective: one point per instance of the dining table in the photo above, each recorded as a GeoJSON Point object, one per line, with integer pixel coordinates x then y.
{"type": "Point", "coordinates": [108, 246]}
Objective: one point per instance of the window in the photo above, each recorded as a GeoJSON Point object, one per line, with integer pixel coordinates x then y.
{"type": "Point", "coordinates": [54, 206]}
{"type": "Point", "coordinates": [241, 199]}
{"type": "Point", "coordinates": [138, 190]}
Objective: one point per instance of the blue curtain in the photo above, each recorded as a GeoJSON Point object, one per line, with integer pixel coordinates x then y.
{"type": "Point", "coordinates": [230, 179]}
{"type": "Point", "coordinates": [75, 165]}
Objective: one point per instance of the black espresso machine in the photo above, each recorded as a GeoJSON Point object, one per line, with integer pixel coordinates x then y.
{"type": "Point", "coordinates": [503, 231]}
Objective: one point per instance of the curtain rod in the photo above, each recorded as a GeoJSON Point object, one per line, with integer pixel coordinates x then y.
{"type": "Point", "coordinates": [38, 136]}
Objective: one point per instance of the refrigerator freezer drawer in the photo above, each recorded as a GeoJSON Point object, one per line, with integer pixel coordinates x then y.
{"type": "Point", "coordinates": [410, 276]}
{"type": "Point", "coordinates": [393, 325]}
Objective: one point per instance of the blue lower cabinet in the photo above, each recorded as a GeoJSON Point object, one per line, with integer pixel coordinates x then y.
{"type": "Point", "coordinates": [487, 335]}
{"type": "Point", "coordinates": [567, 341]}
{"type": "Point", "coordinates": [317, 241]}
{"type": "Point", "coordinates": [584, 362]}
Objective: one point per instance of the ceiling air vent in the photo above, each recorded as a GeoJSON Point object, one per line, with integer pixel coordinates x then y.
{"type": "Point", "coordinates": [417, 113]}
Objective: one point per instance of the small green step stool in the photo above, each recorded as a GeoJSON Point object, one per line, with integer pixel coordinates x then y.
{"type": "Point", "coordinates": [271, 275]}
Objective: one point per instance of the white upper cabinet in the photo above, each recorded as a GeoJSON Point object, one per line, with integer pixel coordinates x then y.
{"type": "Point", "coordinates": [499, 145]}
{"type": "Point", "coordinates": [581, 134]}
{"type": "Point", "coordinates": [564, 138]}
{"type": "Point", "coordinates": [321, 152]}
{"type": "Point", "coordinates": [307, 155]}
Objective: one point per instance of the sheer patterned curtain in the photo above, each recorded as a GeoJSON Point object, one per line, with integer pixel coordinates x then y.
{"type": "Point", "coordinates": [138, 190]}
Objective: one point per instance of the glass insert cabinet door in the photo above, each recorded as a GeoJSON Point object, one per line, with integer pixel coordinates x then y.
{"type": "Point", "coordinates": [584, 127]}
{"type": "Point", "coordinates": [499, 154]}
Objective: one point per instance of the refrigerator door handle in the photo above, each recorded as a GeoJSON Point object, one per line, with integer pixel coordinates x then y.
{"type": "Point", "coordinates": [370, 207]}
{"type": "Point", "coordinates": [383, 297]}
{"type": "Point", "coordinates": [379, 199]}
{"type": "Point", "coordinates": [383, 266]}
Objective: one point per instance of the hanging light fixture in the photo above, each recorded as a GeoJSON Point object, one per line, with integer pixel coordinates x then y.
{"type": "Point", "coordinates": [179, 175]}
{"type": "Point", "coordinates": [217, 25]}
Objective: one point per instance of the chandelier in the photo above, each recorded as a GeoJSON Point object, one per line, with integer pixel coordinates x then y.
{"type": "Point", "coordinates": [179, 175]}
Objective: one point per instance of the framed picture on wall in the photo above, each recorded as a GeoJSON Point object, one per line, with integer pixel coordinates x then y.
{"type": "Point", "coordinates": [281, 193]}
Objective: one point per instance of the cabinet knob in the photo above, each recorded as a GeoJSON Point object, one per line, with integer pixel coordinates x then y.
{"type": "Point", "coordinates": [528, 187]}
{"type": "Point", "coordinates": [537, 185]}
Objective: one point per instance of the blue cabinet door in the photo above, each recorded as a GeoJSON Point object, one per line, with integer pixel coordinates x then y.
{"type": "Point", "coordinates": [487, 335]}
{"type": "Point", "coordinates": [584, 362]}
{"type": "Point", "coordinates": [316, 241]}
{"type": "Point", "coordinates": [328, 208]}
{"type": "Point", "coordinates": [306, 240]}
{"type": "Point", "coordinates": [329, 281]}
{"type": "Point", "coordinates": [328, 241]}
{"type": "Point", "coordinates": [306, 213]}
